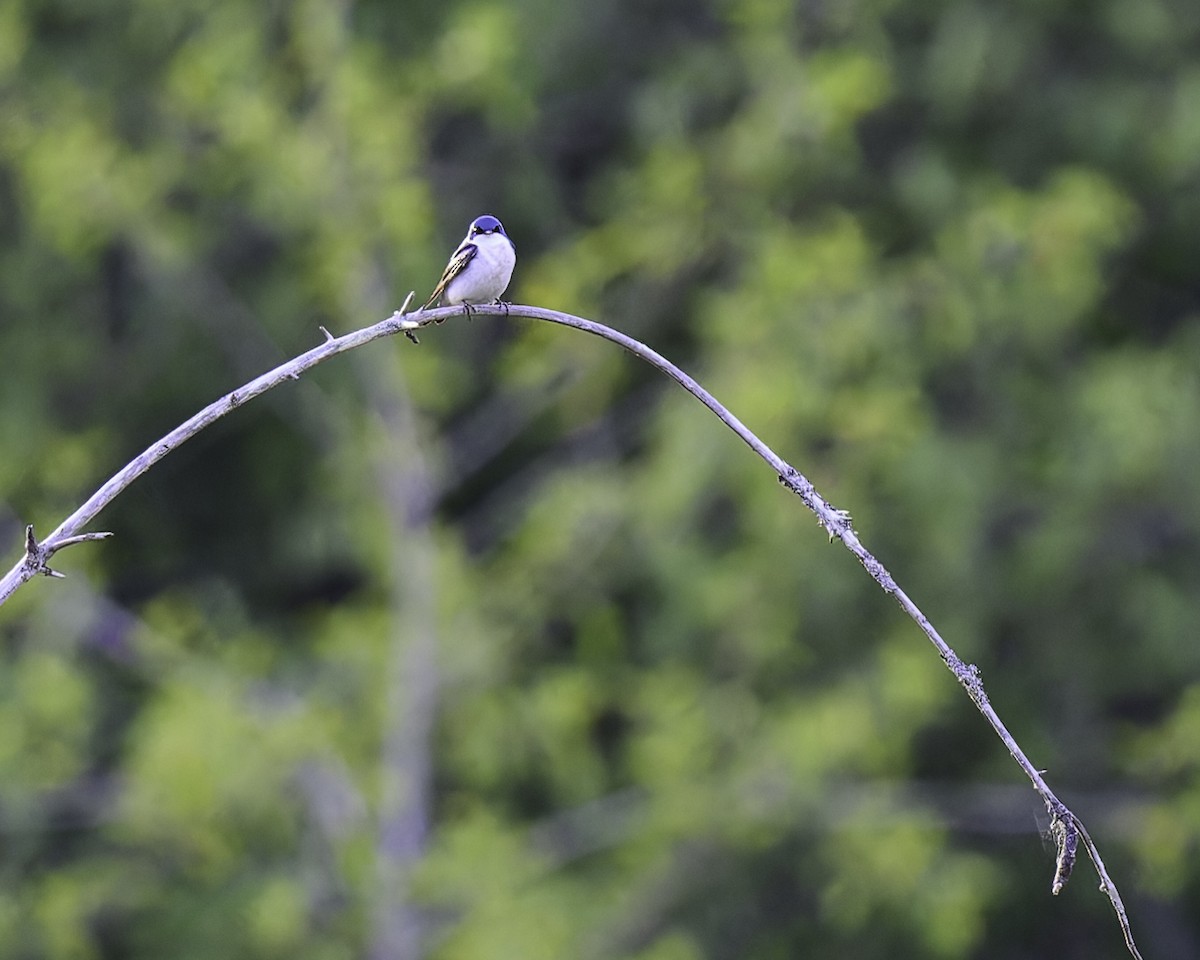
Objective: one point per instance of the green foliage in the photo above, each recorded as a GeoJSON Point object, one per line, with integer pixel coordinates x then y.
{"type": "Point", "coordinates": [618, 697]}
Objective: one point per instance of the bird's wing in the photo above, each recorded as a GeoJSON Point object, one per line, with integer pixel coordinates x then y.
{"type": "Point", "coordinates": [458, 262]}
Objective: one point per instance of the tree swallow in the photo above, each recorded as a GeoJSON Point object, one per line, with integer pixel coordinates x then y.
{"type": "Point", "coordinates": [479, 270]}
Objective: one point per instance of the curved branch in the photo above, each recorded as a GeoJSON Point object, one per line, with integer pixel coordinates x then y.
{"type": "Point", "coordinates": [1066, 827]}
{"type": "Point", "coordinates": [68, 533]}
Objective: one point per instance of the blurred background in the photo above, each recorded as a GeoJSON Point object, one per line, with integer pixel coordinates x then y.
{"type": "Point", "coordinates": [502, 646]}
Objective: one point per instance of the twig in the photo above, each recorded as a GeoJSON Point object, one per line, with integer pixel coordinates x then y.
{"type": "Point", "coordinates": [1066, 826]}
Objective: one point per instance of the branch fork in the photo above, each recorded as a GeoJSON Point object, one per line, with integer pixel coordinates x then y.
{"type": "Point", "coordinates": [37, 555]}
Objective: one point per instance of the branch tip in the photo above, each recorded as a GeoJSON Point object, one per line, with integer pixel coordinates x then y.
{"type": "Point", "coordinates": [78, 538]}
{"type": "Point", "coordinates": [329, 337]}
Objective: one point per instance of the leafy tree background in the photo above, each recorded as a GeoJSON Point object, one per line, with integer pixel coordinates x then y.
{"type": "Point", "coordinates": [500, 646]}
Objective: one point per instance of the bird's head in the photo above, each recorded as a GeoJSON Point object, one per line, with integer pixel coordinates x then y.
{"type": "Point", "coordinates": [486, 224]}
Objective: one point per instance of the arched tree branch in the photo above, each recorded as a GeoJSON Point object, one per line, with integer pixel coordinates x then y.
{"type": "Point", "coordinates": [1067, 829]}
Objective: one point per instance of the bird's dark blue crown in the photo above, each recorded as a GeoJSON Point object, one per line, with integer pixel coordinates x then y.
{"type": "Point", "coordinates": [487, 224]}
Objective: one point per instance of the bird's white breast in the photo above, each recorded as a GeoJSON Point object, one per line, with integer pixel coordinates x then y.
{"type": "Point", "coordinates": [488, 273]}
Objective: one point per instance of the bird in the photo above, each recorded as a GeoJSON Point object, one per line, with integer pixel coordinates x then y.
{"type": "Point", "coordinates": [480, 269]}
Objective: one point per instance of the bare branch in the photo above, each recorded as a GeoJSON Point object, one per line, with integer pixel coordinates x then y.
{"type": "Point", "coordinates": [1066, 825]}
